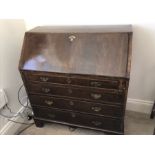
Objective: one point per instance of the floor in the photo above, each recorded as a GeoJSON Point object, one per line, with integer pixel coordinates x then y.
{"type": "Point", "coordinates": [135, 124]}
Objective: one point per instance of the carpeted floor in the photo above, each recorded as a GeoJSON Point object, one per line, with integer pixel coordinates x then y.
{"type": "Point", "coordinates": [135, 124]}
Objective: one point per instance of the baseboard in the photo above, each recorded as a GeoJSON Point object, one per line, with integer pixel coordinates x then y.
{"type": "Point", "coordinates": [11, 128]}
{"type": "Point", "coordinates": [142, 106]}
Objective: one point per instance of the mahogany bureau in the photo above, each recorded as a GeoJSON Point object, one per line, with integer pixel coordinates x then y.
{"type": "Point", "coordinates": [78, 75]}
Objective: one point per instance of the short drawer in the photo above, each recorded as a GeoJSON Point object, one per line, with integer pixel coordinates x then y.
{"type": "Point", "coordinates": [85, 93]}
{"type": "Point", "coordinates": [75, 80]}
{"type": "Point", "coordinates": [45, 77]}
{"type": "Point", "coordinates": [104, 83]}
{"type": "Point", "coordinates": [76, 105]}
{"type": "Point", "coordinates": [99, 122]}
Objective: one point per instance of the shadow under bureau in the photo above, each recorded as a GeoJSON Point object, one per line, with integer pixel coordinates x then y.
{"type": "Point", "coordinates": [78, 75]}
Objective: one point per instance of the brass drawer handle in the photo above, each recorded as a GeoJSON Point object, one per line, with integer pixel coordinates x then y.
{"type": "Point", "coordinates": [51, 115]}
{"type": "Point", "coordinates": [73, 115]}
{"type": "Point", "coordinates": [71, 103]}
{"type": "Point", "coordinates": [96, 84]}
{"type": "Point", "coordinates": [49, 102]}
{"type": "Point", "coordinates": [96, 109]}
{"type": "Point", "coordinates": [46, 90]}
{"type": "Point", "coordinates": [96, 123]}
{"type": "Point", "coordinates": [96, 96]}
{"type": "Point", "coordinates": [44, 79]}
{"type": "Point", "coordinates": [72, 38]}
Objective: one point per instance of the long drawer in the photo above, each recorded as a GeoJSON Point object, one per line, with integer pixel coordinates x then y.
{"type": "Point", "coordinates": [99, 82]}
{"type": "Point", "coordinates": [79, 119]}
{"type": "Point", "coordinates": [76, 105]}
{"type": "Point", "coordinates": [92, 94]}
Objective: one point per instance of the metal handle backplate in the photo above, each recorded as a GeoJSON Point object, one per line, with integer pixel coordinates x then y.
{"type": "Point", "coordinates": [96, 109]}
{"type": "Point", "coordinates": [46, 90]}
{"type": "Point", "coordinates": [44, 79]}
{"type": "Point", "coordinates": [96, 84]}
{"type": "Point", "coordinates": [96, 96]}
{"type": "Point", "coordinates": [49, 102]}
{"type": "Point", "coordinates": [72, 38]}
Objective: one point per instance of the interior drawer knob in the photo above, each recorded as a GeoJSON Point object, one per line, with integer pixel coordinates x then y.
{"type": "Point", "coordinates": [44, 79]}
{"type": "Point", "coordinates": [72, 38]}
{"type": "Point", "coordinates": [71, 103]}
{"type": "Point", "coordinates": [73, 115]}
{"type": "Point", "coordinates": [96, 109]}
{"type": "Point", "coordinates": [49, 102]}
{"type": "Point", "coordinates": [96, 84]}
{"type": "Point", "coordinates": [45, 90]}
{"type": "Point", "coordinates": [70, 91]}
{"type": "Point", "coordinates": [96, 96]}
{"type": "Point", "coordinates": [96, 123]}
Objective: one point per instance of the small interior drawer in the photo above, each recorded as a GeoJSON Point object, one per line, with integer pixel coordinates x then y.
{"type": "Point", "coordinates": [45, 77]}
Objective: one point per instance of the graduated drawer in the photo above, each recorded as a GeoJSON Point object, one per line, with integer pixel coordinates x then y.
{"type": "Point", "coordinates": [92, 94]}
{"type": "Point", "coordinates": [74, 80]}
{"type": "Point", "coordinates": [99, 122]}
{"type": "Point", "coordinates": [81, 106]}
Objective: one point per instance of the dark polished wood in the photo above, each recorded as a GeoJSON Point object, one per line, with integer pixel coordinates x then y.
{"type": "Point", "coordinates": [153, 111]}
{"type": "Point", "coordinates": [78, 75]}
{"type": "Point", "coordinates": [77, 105]}
{"type": "Point", "coordinates": [79, 119]}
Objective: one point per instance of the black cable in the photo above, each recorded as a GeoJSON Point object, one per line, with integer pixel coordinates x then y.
{"type": "Point", "coordinates": [19, 98]}
{"type": "Point", "coordinates": [19, 95]}
{"type": "Point", "coordinates": [24, 129]}
{"type": "Point", "coordinates": [16, 114]}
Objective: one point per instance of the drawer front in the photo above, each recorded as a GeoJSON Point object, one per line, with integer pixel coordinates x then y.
{"type": "Point", "coordinates": [77, 92]}
{"type": "Point", "coordinates": [45, 77]}
{"type": "Point", "coordinates": [112, 84]}
{"type": "Point", "coordinates": [81, 106]}
{"type": "Point", "coordinates": [73, 80]}
{"type": "Point", "coordinates": [79, 119]}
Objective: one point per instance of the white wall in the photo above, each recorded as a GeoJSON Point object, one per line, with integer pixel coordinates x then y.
{"type": "Point", "coordinates": [142, 84]}
{"type": "Point", "coordinates": [11, 37]}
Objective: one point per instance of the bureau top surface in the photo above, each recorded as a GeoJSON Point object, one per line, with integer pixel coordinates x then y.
{"type": "Point", "coordinates": [83, 29]}
{"type": "Point", "coordinates": [105, 53]}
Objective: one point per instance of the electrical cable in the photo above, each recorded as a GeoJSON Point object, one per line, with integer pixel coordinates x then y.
{"type": "Point", "coordinates": [19, 95]}
{"type": "Point", "coordinates": [17, 114]}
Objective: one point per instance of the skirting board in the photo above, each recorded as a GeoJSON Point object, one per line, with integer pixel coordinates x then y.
{"type": "Point", "coordinates": [142, 106]}
{"type": "Point", "coordinates": [11, 128]}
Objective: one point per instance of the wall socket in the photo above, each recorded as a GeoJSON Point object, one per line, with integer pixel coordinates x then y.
{"type": "Point", "coordinates": [3, 98]}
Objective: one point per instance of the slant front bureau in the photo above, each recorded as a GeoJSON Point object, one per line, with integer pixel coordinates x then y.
{"type": "Point", "coordinates": [78, 75]}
